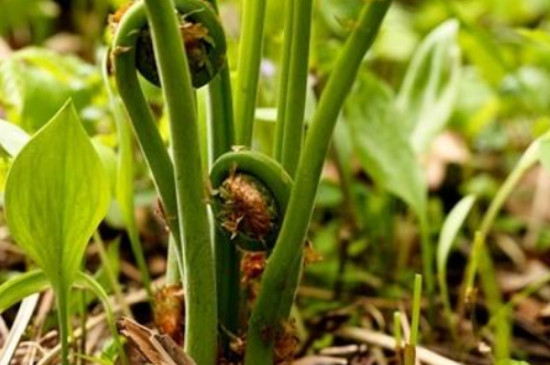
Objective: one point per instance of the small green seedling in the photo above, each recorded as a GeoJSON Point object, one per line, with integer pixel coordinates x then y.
{"type": "Point", "coordinates": [56, 194]}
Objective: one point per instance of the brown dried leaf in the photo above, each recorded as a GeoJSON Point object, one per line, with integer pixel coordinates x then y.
{"type": "Point", "coordinates": [169, 311]}
{"type": "Point", "coordinates": [157, 349]}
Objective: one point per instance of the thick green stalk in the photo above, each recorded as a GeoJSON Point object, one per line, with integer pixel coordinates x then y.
{"type": "Point", "coordinates": [227, 256]}
{"type": "Point", "coordinates": [297, 86]}
{"type": "Point", "coordinates": [143, 122]}
{"type": "Point", "coordinates": [63, 319]}
{"type": "Point", "coordinates": [222, 129]}
{"type": "Point", "coordinates": [221, 108]}
{"type": "Point", "coordinates": [228, 282]}
{"type": "Point", "coordinates": [125, 191]}
{"type": "Point", "coordinates": [283, 81]}
{"type": "Point", "coordinates": [250, 57]}
{"type": "Point", "coordinates": [288, 296]}
{"type": "Point", "coordinates": [265, 319]}
{"type": "Point", "coordinates": [124, 181]}
{"type": "Point", "coordinates": [200, 285]}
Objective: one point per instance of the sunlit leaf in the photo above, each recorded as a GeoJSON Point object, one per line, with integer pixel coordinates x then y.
{"type": "Point", "coordinates": [428, 93]}
{"type": "Point", "coordinates": [536, 35]}
{"type": "Point", "coordinates": [108, 158]}
{"type": "Point", "coordinates": [35, 83]}
{"type": "Point", "coordinates": [17, 288]}
{"type": "Point", "coordinates": [340, 15]}
{"type": "Point", "coordinates": [485, 53]}
{"type": "Point", "coordinates": [544, 153]}
{"type": "Point", "coordinates": [4, 167]}
{"type": "Point", "coordinates": [512, 362]}
{"type": "Point", "coordinates": [56, 194]}
{"type": "Point", "coordinates": [12, 138]}
{"type": "Point", "coordinates": [382, 144]}
{"type": "Point", "coordinates": [266, 114]}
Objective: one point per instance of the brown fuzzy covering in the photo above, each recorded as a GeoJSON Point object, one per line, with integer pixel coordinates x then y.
{"type": "Point", "coordinates": [245, 209]}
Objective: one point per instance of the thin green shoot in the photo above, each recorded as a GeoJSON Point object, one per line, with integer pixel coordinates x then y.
{"type": "Point", "coordinates": [417, 297]}
{"type": "Point", "coordinates": [448, 235]}
{"type": "Point", "coordinates": [397, 332]}
{"type": "Point", "coordinates": [398, 335]}
{"type": "Point", "coordinates": [115, 286]}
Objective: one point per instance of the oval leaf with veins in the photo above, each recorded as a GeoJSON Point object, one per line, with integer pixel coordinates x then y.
{"type": "Point", "coordinates": [56, 194]}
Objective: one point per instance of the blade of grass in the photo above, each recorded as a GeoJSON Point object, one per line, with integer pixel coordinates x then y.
{"type": "Point", "coordinates": [387, 342]}
{"type": "Point", "coordinates": [398, 335]}
{"type": "Point", "coordinates": [480, 259]}
{"type": "Point", "coordinates": [91, 284]}
{"type": "Point", "coordinates": [413, 340]}
{"type": "Point", "coordinates": [115, 286]}
{"type": "Point", "coordinates": [410, 347]}
{"type": "Point", "coordinates": [448, 235]}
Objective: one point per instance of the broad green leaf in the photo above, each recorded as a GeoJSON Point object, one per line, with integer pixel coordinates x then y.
{"type": "Point", "coordinates": [447, 237]}
{"type": "Point", "coordinates": [450, 229]}
{"type": "Point", "coordinates": [12, 138]}
{"type": "Point", "coordinates": [382, 144]}
{"type": "Point", "coordinates": [17, 13]}
{"type": "Point", "coordinates": [544, 153]}
{"type": "Point", "coordinates": [512, 362]}
{"type": "Point", "coordinates": [342, 147]}
{"type": "Point", "coordinates": [56, 194]}
{"type": "Point", "coordinates": [109, 159]}
{"type": "Point", "coordinates": [340, 15]}
{"type": "Point", "coordinates": [35, 83]}
{"type": "Point", "coordinates": [536, 36]}
{"type": "Point", "coordinates": [4, 167]}
{"type": "Point", "coordinates": [19, 287]}
{"type": "Point", "coordinates": [485, 53]}
{"type": "Point", "coordinates": [428, 93]}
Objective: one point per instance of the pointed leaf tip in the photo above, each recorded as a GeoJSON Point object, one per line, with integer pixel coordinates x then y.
{"type": "Point", "coordinates": [56, 194]}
